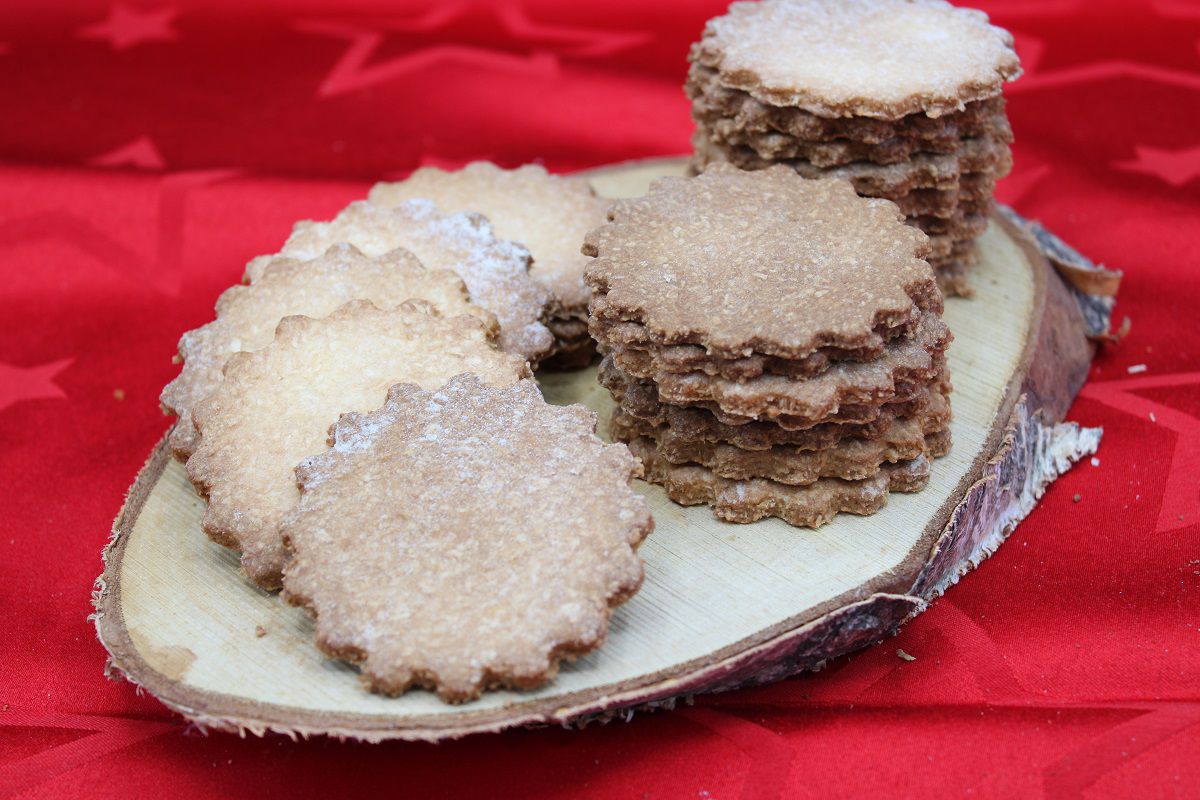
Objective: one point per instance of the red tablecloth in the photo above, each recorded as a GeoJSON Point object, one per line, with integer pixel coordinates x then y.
{"type": "Point", "coordinates": [148, 149]}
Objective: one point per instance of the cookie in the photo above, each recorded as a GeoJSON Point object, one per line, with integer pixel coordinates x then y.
{"type": "Point", "coordinates": [712, 101]}
{"type": "Point", "coordinates": [246, 316]}
{"type": "Point", "coordinates": [862, 58]}
{"type": "Point", "coordinates": [640, 400]}
{"type": "Point", "coordinates": [808, 506]}
{"type": "Point", "coordinates": [611, 376]}
{"type": "Point", "coordinates": [465, 538]}
{"type": "Point", "coordinates": [275, 405]}
{"type": "Point", "coordinates": [777, 146]}
{"type": "Point", "coordinates": [852, 459]}
{"type": "Point", "coordinates": [882, 380]}
{"type": "Point", "coordinates": [549, 214]}
{"type": "Point", "coordinates": [496, 271]}
{"type": "Point", "coordinates": [763, 262]}
{"type": "Point", "coordinates": [574, 347]}
{"type": "Point", "coordinates": [922, 171]}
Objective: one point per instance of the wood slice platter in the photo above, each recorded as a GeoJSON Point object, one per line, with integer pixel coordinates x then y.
{"type": "Point", "coordinates": [722, 605]}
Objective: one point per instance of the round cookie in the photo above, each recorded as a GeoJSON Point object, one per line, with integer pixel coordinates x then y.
{"type": "Point", "coordinates": [464, 539]}
{"type": "Point", "coordinates": [496, 271]}
{"type": "Point", "coordinates": [759, 262]}
{"type": "Point", "coordinates": [750, 500]}
{"type": "Point", "coordinates": [275, 406]}
{"type": "Point", "coordinates": [863, 58]}
{"type": "Point", "coordinates": [549, 214]}
{"type": "Point", "coordinates": [246, 315]}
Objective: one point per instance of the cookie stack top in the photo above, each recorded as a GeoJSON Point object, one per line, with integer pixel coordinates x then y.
{"type": "Point", "coordinates": [769, 263]}
{"type": "Point", "coordinates": [883, 59]}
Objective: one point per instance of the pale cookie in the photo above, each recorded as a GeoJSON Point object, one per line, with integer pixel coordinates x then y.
{"type": "Point", "coordinates": [465, 539]}
{"type": "Point", "coordinates": [922, 171]}
{"type": "Point", "coordinates": [712, 101]}
{"type": "Point", "coordinates": [496, 271]}
{"type": "Point", "coordinates": [883, 380]}
{"type": "Point", "coordinates": [611, 376]}
{"type": "Point", "coordinates": [246, 316]}
{"type": "Point", "coordinates": [853, 459]}
{"type": "Point", "coordinates": [549, 214]}
{"type": "Point", "coordinates": [751, 500]}
{"type": "Point", "coordinates": [763, 262]}
{"type": "Point", "coordinates": [275, 406]}
{"type": "Point", "coordinates": [861, 58]}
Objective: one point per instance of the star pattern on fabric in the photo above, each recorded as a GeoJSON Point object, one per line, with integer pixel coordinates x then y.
{"type": "Point", "coordinates": [141, 153]}
{"type": "Point", "coordinates": [1176, 167]}
{"type": "Point", "coordinates": [448, 33]}
{"type": "Point", "coordinates": [31, 383]}
{"type": "Point", "coordinates": [1181, 492]}
{"type": "Point", "coordinates": [127, 26]}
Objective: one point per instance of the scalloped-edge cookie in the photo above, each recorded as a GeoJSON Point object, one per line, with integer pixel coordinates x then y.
{"type": "Point", "coordinates": [495, 270]}
{"type": "Point", "coordinates": [246, 315]}
{"type": "Point", "coordinates": [750, 500]}
{"type": "Point", "coordinates": [276, 404]}
{"type": "Point", "coordinates": [853, 459]}
{"type": "Point", "coordinates": [640, 400]}
{"type": "Point", "coordinates": [764, 262]}
{"type": "Point", "coordinates": [464, 539]}
{"type": "Point", "coordinates": [863, 58]}
{"type": "Point", "coordinates": [549, 214]}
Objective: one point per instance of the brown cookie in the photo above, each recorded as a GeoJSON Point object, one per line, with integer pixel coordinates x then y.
{"type": "Point", "coordinates": [275, 405]}
{"type": "Point", "coordinates": [549, 214]}
{"type": "Point", "coordinates": [612, 378]}
{"type": "Point", "coordinates": [640, 399]}
{"type": "Point", "coordinates": [922, 171]}
{"type": "Point", "coordinates": [574, 347]}
{"type": "Point", "coordinates": [883, 380]}
{"type": "Point", "coordinates": [777, 146]}
{"type": "Point", "coordinates": [852, 459]}
{"type": "Point", "coordinates": [864, 58]}
{"type": "Point", "coordinates": [751, 500]}
{"type": "Point", "coordinates": [761, 262]}
{"type": "Point", "coordinates": [712, 101]}
{"type": "Point", "coordinates": [464, 539]}
{"type": "Point", "coordinates": [496, 271]}
{"type": "Point", "coordinates": [246, 316]}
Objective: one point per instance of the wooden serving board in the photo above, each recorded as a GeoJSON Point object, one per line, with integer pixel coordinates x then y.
{"type": "Point", "coordinates": [722, 605]}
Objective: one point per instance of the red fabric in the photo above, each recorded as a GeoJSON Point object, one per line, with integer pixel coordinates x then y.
{"type": "Point", "coordinates": [148, 150]}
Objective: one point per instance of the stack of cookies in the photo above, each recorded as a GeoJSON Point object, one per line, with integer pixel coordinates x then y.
{"type": "Point", "coordinates": [775, 343]}
{"type": "Point", "coordinates": [900, 97]}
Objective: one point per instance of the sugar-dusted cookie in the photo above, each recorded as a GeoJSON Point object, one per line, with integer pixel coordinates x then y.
{"type": "Point", "coordinates": [275, 406]}
{"type": "Point", "coordinates": [246, 316]}
{"type": "Point", "coordinates": [549, 214]}
{"type": "Point", "coordinates": [864, 58]}
{"type": "Point", "coordinates": [495, 270]}
{"type": "Point", "coordinates": [464, 538]}
{"type": "Point", "coordinates": [754, 499]}
{"type": "Point", "coordinates": [765, 262]}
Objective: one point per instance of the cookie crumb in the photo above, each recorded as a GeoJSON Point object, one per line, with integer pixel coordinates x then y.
{"type": "Point", "coordinates": [118, 394]}
{"type": "Point", "coordinates": [1153, 418]}
{"type": "Point", "coordinates": [1077, 497]}
{"type": "Point", "coordinates": [1136, 368]}
{"type": "Point", "coordinates": [905, 656]}
{"type": "Point", "coordinates": [1095, 461]}
{"type": "Point", "coordinates": [260, 631]}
